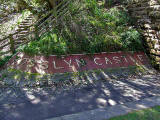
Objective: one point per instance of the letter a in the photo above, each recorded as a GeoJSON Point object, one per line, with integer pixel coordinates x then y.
{"type": "Point", "coordinates": [107, 60]}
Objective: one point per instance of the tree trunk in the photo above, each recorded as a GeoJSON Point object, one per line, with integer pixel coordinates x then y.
{"type": "Point", "coordinates": [109, 3]}
{"type": "Point", "coordinates": [51, 3]}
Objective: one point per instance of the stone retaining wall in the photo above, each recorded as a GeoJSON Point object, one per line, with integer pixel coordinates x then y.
{"type": "Point", "coordinates": [147, 14]}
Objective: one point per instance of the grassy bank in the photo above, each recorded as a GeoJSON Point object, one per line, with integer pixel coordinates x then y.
{"type": "Point", "coordinates": [147, 114]}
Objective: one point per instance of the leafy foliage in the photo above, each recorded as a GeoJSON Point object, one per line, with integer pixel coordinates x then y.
{"type": "Point", "coordinates": [47, 44]}
{"type": "Point", "coordinates": [131, 39]}
{"type": "Point", "coordinates": [4, 60]}
{"type": "Point", "coordinates": [88, 28]}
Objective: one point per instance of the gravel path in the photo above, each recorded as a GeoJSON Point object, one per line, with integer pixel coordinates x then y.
{"type": "Point", "coordinates": [24, 103]}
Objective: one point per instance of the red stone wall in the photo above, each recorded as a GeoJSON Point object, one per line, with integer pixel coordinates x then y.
{"type": "Point", "coordinates": [76, 63]}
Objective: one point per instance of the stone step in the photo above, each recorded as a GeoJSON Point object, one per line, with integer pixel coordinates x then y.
{"type": "Point", "coordinates": [21, 25]}
{"type": "Point", "coordinates": [30, 16]}
{"type": "Point", "coordinates": [155, 7]}
{"type": "Point", "coordinates": [25, 21]}
{"type": "Point", "coordinates": [21, 37]}
{"type": "Point", "coordinates": [28, 19]}
{"type": "Point", "coordinates": [25, 24]}
{"type": "Point", "coordinates": [18, 37]}
{"type": "Point", "coordinates": [20, 40]}
{"type": "Point", "coordinates": [144, 21]}
{"type": "Point", "coordinates": [23, 29]}
{"type": "Point", "coordinates": [21, 32]}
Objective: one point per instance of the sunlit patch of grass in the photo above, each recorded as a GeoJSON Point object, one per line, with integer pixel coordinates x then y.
{"type": "Point", "coordinates": [146, 114]}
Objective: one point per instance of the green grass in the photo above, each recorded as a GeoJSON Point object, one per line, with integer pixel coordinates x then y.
{"type": "Point", "coordinates": [146, 114]}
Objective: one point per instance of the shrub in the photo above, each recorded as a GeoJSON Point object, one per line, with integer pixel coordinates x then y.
{"type": "Point", "coordinates": [88, 29]}
{"type": "Point", "coordinates": [131, 40]}
{"type": "Point", "coordinates": [47, 44]}
{"type": "Point", "coordinates": [4, 60]}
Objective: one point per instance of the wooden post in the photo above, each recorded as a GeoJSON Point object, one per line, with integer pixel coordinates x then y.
{"type": "Point", "coordinates": [12, 47]}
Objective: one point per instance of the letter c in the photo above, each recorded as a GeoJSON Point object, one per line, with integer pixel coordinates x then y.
{"type": "Point", "coordinates": [95, 61]}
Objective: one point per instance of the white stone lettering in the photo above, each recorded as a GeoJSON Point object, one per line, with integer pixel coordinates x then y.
{"type": "Point", "coordinates": [69, 63]}
{"type": "Point", "coordinates": [55, 67]}
{"type": "Point", "coordinates": [124, 58]}
{"type": "Point", "coordinates": [44, 65]}
{"type": "Point", "coordinates": [107, 60]}
{"type": "Point", "coordinates": [116, 59]}
{"type": "Point", "coordinates": [95, 61]}
{"type": "Point", "coordinates": [24, 61]}
{"type": "Point", "coordinates": [133, 60]}
{"type": "Point", "coordinates": [140, 57]}
{"type": "Point", "coordinates": [80, 63]}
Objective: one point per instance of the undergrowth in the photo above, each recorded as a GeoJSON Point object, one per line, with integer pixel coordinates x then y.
{"type": "Point", "coordinates": [88, 28]}
{"type": "Point", "coordinates": [3, 60]}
